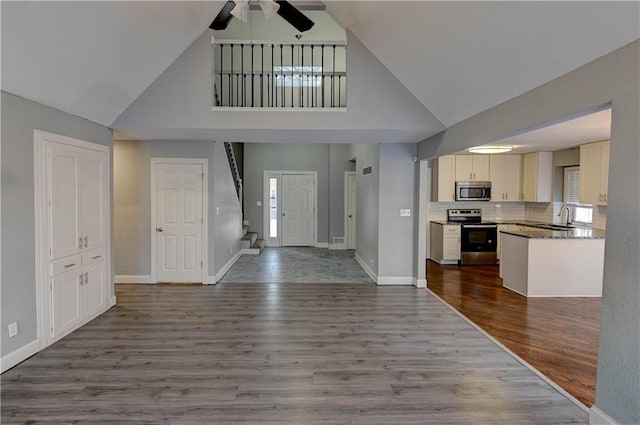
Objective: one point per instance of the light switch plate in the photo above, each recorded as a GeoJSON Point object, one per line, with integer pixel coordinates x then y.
{"type": "Point", "coordinates": [258, 203]}
{"type": "Point", "coordinates": [13, 329]}
{"type": "Point", "coordinates": [405, 212]}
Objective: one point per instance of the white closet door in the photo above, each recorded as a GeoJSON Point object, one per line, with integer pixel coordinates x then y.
{"type": "Point", "coordinates": [179, 224]}
{"type": "Point", "coordinates": [351, 208]}
{"type": "Point", "coordinates": [63, 189]}
{"type": "Point", "coordinates": [66, 302]}
{"type": "Point", "coordinates": [297, 210]}
{"type": "Point", "coordinates": [94, 288]}
{"type": "Point", "coordinates": [95, 193]}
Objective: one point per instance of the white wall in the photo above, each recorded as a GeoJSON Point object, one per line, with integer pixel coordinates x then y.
{"type": "Point", "coordinates": [613, 78]}
{"type": "Point", "coordinates": [20, 117]}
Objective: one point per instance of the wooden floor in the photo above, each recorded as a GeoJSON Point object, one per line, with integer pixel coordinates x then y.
{"type": "Point", "coordinates": [279, 354]}
{"type": "Point", "coordinates": [558, 336]}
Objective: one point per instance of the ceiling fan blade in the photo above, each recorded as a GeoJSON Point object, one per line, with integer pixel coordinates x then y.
{"type": "Point", "coordinates": [224, 17]}
{"type": "Point", "coordinates": [292, 15]}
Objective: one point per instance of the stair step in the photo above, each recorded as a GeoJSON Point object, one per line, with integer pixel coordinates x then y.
{"type": "Point", "coordinates": [245, 229]}
{"type": "Point", "coordinates": [250, 237]}
{"type": "Point", "coordinates": [259, 243]}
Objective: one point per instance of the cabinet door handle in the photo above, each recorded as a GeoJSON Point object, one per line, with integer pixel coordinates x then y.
{"type": "Point", "coordinates": [81, 280]}
{"type": "Point", "coordinates": [86, 277]}
{"type": "Point", "coordinates": [86, 241]}
{"type": "Point", "coordinates": [80, 242]}
{"type": "Point", "coordinates": [69, 265]}
{"type": "Point", "coordinates": [96, 257]}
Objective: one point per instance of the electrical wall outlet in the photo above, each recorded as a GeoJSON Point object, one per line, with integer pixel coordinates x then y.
{"type": "Point", "coordinates": [405, 212]}
{"type": "Point", "coordinates": [13, 329]}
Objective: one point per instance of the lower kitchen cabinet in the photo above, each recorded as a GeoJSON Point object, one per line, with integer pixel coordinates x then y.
{"type": "Point", "coordinates": [445, 243]}
{"type": "Point", "coordinates": [507, 227]}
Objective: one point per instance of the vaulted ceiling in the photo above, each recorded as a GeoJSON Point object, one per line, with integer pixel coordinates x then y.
{"type": "Point", "coordinates": [93, 59]}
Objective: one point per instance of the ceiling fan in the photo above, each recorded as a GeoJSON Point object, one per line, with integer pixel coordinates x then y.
{"type": "Point", "coordinates": [240, 9]}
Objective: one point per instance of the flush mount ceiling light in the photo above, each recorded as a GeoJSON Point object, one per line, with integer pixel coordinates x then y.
{"type": "Point", "coordinates": [491, 149]}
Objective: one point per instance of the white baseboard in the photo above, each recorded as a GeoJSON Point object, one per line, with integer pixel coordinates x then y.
{"type": "Point", "coordinates": [598, 417]}
{"type": "Point", "coordinates": [224, 268]}
{"type": "Point", "coordinates": [338, 246]}
{"type": "Point", "coordinates": [113, 301]}
{"type": "Point", "coordinates": [366, 268]}
{"type": "Point", "coordinates": [395, 280]}
{"type": "Point", "coordinates": [322, 245]}
{"type": "Point", "coordinates": [19, 355]}
{"type": "Point", "coordinates": [420, 283]}
{"type": "Point", "coordinates": [132, 278]}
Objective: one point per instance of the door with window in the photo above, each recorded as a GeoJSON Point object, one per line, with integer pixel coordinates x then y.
{"type": "Point", "coordinates": [290, 210]}
{"type": "Point", "coordinates": [179, 224]}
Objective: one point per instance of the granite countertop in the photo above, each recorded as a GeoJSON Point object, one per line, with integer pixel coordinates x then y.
{"type": "Point", "coordinates": [573, 233]}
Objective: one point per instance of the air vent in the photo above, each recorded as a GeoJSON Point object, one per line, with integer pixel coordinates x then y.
{"type": "Point", "coordinates": [338, 240]}
{"type": "Point", "coordinates": [367, 170]}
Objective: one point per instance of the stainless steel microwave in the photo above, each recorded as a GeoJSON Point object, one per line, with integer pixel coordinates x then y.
{"type": "Point", "coordinates": [473, 191]}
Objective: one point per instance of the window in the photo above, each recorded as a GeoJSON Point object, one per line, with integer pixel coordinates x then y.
{"type": "Point", "coordinates": [580, 213]}
{"type": "Point", "coordinates": [273, 207]}
{"type": "Point", "coordinates": [298, 76]}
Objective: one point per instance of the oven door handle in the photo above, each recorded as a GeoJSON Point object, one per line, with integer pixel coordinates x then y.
{"type": "Point", "coordinates": [480, 226]}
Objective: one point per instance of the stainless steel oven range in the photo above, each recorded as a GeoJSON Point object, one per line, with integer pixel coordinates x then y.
{"type": "Point", "coordinates": [479, 239]}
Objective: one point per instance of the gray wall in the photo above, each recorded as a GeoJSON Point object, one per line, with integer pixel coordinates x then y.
{"type": "Point", "coordinates": [339, 163]}
{"type": "Point", "coordinates": [397, 191]}
{"type": "Point", "coordinates": [613, 78]}
{"type": "Point", "coordinates": [132, 202]}
{"type": "Point", "coordinates": [285, 157]}
{"type": "Point", "coordinates": [180, 98]}
{"type": "Point", "coordinates": [367, 203]}
{"type": "Point", "coordinates": [19, 118]}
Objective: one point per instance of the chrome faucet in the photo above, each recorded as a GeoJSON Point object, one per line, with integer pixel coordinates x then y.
{"type": "Point", "coordinates": [568, 219]}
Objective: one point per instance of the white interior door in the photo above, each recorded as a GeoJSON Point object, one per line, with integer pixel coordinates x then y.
{"type": "Point", "coordinates": [298, 210]}
{"type": "Point", "coordinates": [179, 222]}
{"type": "Point", "coordinates": [351, 211]}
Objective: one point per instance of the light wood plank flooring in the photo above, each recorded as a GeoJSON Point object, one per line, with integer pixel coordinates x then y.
{"type": "Point", "coordinates": [278, 354]}
{"type": "Point", "coordinates": [558, 336]}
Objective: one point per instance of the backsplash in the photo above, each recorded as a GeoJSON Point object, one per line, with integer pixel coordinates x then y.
{"type": "Point", "coordinates": [546, 212]}
{"type": "Point", "coordinates": [490, 210]}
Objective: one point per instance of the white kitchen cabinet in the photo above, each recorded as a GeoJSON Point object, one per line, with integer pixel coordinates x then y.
{"type": "Point", "coordinates": [537, 171]}
{"type": "Point", "coordinates": [594, 173]}
{"type": "Point", "coordinates": [74, 230]}
{"type": "Point", "coordinates": [445, 243]}
{"type": "Point", "coordinates": [443, 179]}
{"type": "Point", "coordinates": [472, 168]}
{"type": "Point", "coordinates": [504, 173]}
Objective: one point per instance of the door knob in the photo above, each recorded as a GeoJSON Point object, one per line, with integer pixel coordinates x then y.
{"type": "Point", "coordinates": [350, 216]}
{"type": "Point", "coordinates": [159, 229]}
{"type": "Point", "coordinates": [283, 214]}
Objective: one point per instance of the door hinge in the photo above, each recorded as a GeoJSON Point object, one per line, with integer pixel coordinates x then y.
{"type": "Point", "coordinates": [50, 286]}
{"type": "Point", "coordinates": [201, 264]}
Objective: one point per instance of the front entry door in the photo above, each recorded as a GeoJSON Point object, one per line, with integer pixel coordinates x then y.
{"type": "Point", "coordinates": [298, 210]}
{"type": "Point", "coordinates": [351, 211]}
{"type": "Point", "coordinates": [179, 222]}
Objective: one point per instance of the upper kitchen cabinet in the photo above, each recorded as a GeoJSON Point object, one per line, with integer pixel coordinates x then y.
{"type": "Point", "coordinates": [594, 173]}
{"type": "Point", "coordinates": [472, 168]}
{"type": "Point", "coordinates": [537, 170]}
{"type": "Point", "coordinates": [504, 173]}
{"type": "Point", "coordinates": [443, 179]}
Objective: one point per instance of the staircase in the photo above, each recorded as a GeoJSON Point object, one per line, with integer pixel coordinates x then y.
{"type": "Point", "coordinates": [249, 242]}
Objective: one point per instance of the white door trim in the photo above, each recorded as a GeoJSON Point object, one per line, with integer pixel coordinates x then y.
{"type": "Point", "coordinates": [265, 202]}
{"type": "Point", "coordinates": [346, 207]}
{"type": "Point", "coordinates": [40, 141]}
{"type": "Point", "coordinates": [205, 208]}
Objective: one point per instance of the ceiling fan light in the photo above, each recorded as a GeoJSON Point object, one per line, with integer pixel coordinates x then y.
{"type": "Point", "coordinates": [241, 11]}
{"type": "Point", "coordinates": [269, 8]}
{"type": "Point", "coordinates": [491, 149]}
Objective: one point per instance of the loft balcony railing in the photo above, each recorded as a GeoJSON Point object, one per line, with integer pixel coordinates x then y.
{"type": "Point", "coordinates": [279, 75]}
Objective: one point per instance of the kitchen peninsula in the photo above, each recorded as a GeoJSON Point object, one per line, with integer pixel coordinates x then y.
{"type": "Point", "coordinates": [553, 263]}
